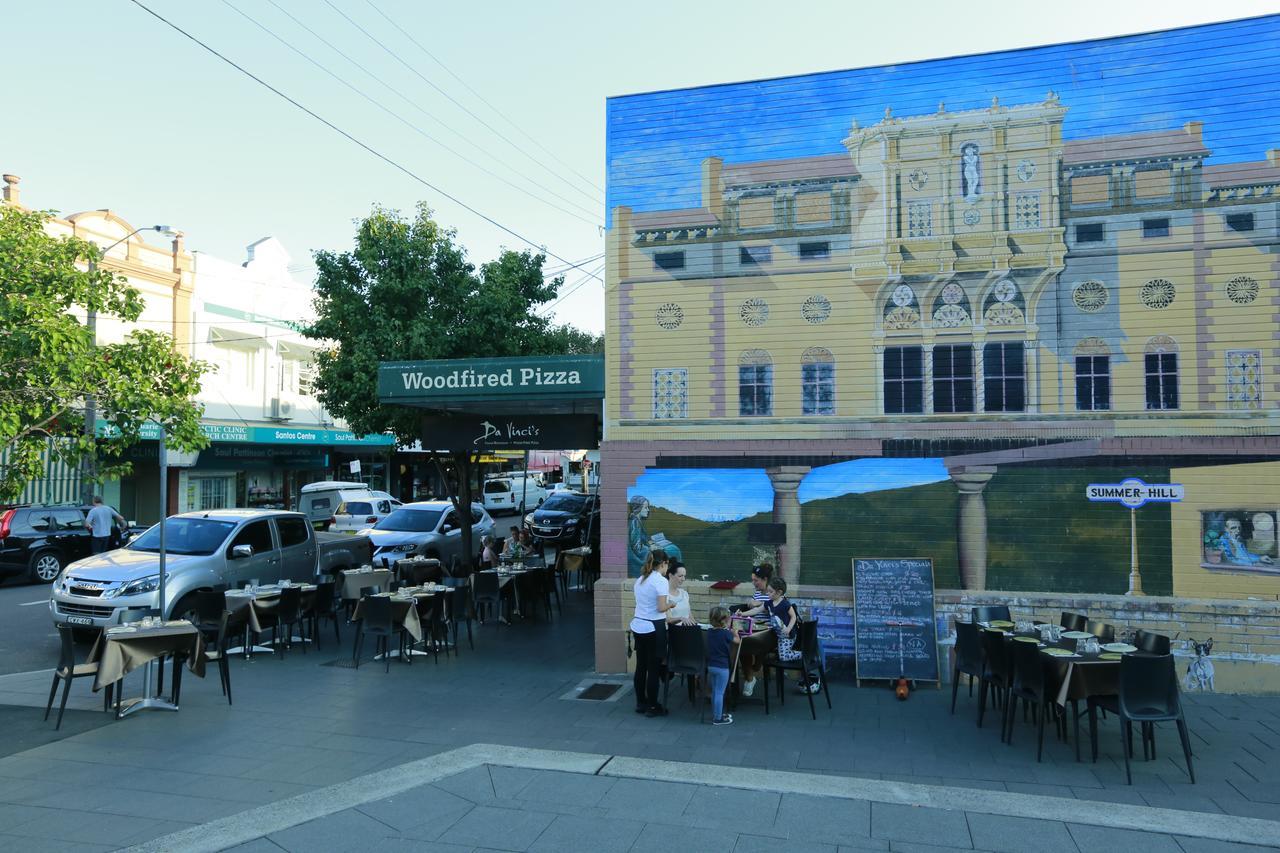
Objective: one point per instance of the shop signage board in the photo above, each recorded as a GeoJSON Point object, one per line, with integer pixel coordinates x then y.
{"type": "Point", "coordinates": [509, 432]}
{"type": "Point", "coordinates": [895, 632]}
{"type": "Point", "coordinates": [283, 435]}
{"type": "Point", "coordinates": [423, 383]}
{"type": "Point", "coordinates": [1133, 493]}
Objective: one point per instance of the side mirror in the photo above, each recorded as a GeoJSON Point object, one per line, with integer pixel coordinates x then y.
{"type": "Point", "coordinates": [241, 552]}
{"type": "Point", "coordinates": [446, 528]}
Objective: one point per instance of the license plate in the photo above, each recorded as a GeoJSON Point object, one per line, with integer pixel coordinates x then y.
{"type": "Point", "coordinates": [78, 620]}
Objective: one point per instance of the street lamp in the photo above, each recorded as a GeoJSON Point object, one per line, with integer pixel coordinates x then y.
{"type": "Point", "coordinates": [90, 404]}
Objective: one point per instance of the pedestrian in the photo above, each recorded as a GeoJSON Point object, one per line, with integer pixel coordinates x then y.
{"type": "Point", "coordinates": [99, 522]}
{"type": "Point", "coordinates": [649, 628]}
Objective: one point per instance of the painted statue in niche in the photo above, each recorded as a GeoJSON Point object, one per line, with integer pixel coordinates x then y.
{"type": "Point", "coordinates": [1239, 538]}
{"type": "Point", "coordinates": [970, 172]}
{"type": "Point", "coordinates": [640, 543]}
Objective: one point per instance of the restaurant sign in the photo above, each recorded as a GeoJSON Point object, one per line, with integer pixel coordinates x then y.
{"type": "Point", "coordinates": [1133, 493]}
{"type": "Point", "coordinates": [525, 377]}
{"type": "Point", "coordinates": [509, 432]}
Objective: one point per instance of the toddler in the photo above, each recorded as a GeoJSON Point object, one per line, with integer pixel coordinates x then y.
{"type": "Point", "coordinates": [720, 641]}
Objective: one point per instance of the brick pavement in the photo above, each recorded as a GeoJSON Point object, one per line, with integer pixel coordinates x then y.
{"type": "Point", "coordinates": [301, 724]}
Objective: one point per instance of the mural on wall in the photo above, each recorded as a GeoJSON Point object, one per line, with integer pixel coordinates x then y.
{"type": "Point", "coordinates": [1240, 538]}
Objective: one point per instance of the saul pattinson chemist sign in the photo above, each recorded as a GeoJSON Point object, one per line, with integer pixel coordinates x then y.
{"type": "Point", "coordinates": [1133, 493]}
{"type": "Point", "coordinates": [532, 378]}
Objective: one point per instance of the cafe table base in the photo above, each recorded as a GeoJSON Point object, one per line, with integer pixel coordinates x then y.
{"type": "Point", "coordinates": [146, 702]}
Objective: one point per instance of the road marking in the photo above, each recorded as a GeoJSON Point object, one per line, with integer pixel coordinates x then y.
{"type": "Point", "coordinates": [34, 603]}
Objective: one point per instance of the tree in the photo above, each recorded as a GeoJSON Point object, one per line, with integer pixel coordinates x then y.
{"type": "Point", "coordinates": [51, 362]}
{"type": "Point", "coordinates": [407, 292]}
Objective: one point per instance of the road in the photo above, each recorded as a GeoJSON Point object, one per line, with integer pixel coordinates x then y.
{"type": "Point", "coordinates": [28, 640]}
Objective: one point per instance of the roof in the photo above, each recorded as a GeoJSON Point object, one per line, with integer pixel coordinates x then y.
{"type": "Point", "coordinates": [691, 216]}
{"type": "Point", "coordinates": [234, 514]}
{"type": "Point", "coordinates": [442, 504]}
{"type": "Point", "coordinates": [1235, 174]}
{"type": "Point", "coordinates": [792, 169]}
{"type": "Point", "coordinates": [1178, 142]}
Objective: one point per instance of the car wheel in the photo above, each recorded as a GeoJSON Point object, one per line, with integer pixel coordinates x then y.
{"type": "Point", "coordinates": [186, 609]}
{"type": "Point", "coordinates": [45, 567]}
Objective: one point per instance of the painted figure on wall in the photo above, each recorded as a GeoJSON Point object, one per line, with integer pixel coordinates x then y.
{"type": "Point", "coordinates": [639, 543]}
{"type": "Point", "coordinates": [1239, 538]}
{"type": "Point", "coordinates": [970, 172]}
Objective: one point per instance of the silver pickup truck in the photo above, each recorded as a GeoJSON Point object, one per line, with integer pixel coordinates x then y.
{"type": "Point", "coordinates": [223, 548]}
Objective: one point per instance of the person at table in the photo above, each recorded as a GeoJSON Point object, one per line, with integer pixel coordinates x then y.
{"type": "Point", "coordinates": [488, 554]}
{"type": "Point", "coordinates": [785, 619]}
{"type": "Point", "coordinates": [751, 663]}
{"type": "Point", "coordinates": [529, 545]}
{"type": "Point", "coordinates": [99, 522]}
{"type": "Point", "coordinates": [679, 614]}
{"type": "Point", "coordinates": [720, 643]}
{"type": "Point", "coordinates": [512, 544]}
{"type": "Point", "coordinates": [649, 630]}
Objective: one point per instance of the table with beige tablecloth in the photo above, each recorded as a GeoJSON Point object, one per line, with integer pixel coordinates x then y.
{"type": "Point", "coordinates": [354, 580]}
{"type": "Point", "coordinates": [404, 610]}
{"type": "Point", "coordinates": [119, 651]}
{"type": "Point", "coordinates": [259, 606]}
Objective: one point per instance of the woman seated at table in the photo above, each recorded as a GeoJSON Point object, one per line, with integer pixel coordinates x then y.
{"type": "Point", "coordinates": [752, 663]}
{"type": "Point", "coordinates": [488, 554]}
{"type": "Point", "coordinates": [512, 543]}
{"type": "Point", "coordinates": [530, 545]}
{"type": "Point", "coordinates": [678, 596]}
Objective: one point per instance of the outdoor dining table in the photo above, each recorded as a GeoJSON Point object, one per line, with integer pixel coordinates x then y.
{"type": "Point", "coordinates": [406, 569]}
{"type": "Point", "coordinates": [120, 650]}
{"type": "Point", "coordinates": [354, 580]}
{"type": "Point", "coordinates": [250, 606]}
{"type": "Point", "coordinates": [404, 610]}
{"type": "Point", "coordinates": [575, 560]}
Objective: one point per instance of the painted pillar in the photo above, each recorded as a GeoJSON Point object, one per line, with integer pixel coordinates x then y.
{"type": "Point", "coordinates": [971, 544]}
{"type": "Point", "coordinates": [786, 510]}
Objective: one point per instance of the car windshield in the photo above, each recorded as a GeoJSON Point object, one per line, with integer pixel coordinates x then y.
{"type": "Point", "coordinates": [495, 486]}
{"type": "Point", "coordinates": [355, 508]}
{"type": "Point", "coordinates": [564, 503]}
{"type": "Point", "coordinates": [410, 520]}
{"type": "Point", "coordinates": [197, 536]}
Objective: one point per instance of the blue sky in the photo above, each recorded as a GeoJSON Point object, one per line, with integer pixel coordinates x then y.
{"type": "Point", "coordinates": [1225, 75]}
{"type": "Point", "coordinates": [731, 494]}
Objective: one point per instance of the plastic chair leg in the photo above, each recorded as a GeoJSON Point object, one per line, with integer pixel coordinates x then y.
{"type": "Point", "coordinates": [955, 688]}
{"type": "Point", "coordinates": [1126, 744]}
{"type": "Point", "coordinates": [62, 707]}
{"type": "Point", "coordinates": [53, 691]}
{"type": "Point", "coordinates": [1185, 736]}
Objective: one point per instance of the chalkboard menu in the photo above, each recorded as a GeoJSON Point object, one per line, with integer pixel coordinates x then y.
{"type": "Point", "coordinates": [894, 632]}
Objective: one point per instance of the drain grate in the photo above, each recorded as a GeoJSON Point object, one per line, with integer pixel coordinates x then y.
{"type": "Point", "coordinates": [343, 663]}
{"type": "Point", "coordinates": [600, 691]}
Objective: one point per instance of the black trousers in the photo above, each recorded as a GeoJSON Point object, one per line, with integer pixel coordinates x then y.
{"type": "Point", "coordinates": [650, 653]}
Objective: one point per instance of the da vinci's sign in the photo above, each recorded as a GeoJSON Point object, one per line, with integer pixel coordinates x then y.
{"type": "Point", "coordinates": [1133, 493]}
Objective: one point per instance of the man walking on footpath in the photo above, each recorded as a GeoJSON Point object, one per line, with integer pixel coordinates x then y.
{"type": "Point", "coordinates": [99, 523]}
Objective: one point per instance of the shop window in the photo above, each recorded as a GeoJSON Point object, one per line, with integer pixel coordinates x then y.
{"type": "Point", "coordinates": [1004, 377]}
{"type": "Point", "coordinates": [211, 493]}
{"type": "Point", "coordinates": [903, 380]}
{"type": "Point", "coordinates": [953, 378]}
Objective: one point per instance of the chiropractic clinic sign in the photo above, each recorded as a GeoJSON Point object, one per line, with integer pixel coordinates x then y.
{"type": "Point", "coordinates": [528, 378]}
{"type": "Point", "coordinates": [1133, 493]}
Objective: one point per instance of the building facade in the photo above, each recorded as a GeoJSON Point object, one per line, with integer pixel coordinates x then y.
{"type": "Point", "coordinates": [915, 311]}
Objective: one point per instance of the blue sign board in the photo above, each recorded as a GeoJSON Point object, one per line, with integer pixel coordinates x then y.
{"type": "Point", "coordinates": [1133, 493]}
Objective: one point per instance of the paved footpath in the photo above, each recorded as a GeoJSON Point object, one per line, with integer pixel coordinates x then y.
{"type": "Point", "coordinates": [488, 750]}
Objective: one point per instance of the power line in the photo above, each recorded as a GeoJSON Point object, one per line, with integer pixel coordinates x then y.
{"type": "Point", "coordinates": [452, 99]}
{"type": "Point", "coordinates": [413, 126]}
{"type": "Point", "coordinates": [570, 291]}
{"type": "Point", "coordinates": [383, 157]}
{"type": "Point", "coordinates": [480, 97]}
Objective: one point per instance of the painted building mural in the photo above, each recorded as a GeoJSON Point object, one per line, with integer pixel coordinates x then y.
{"type": "Point", "coordinates": [915, 310]}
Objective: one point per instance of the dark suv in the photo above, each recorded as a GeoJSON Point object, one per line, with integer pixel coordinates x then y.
{"type": "Point", "coordinates": [567, 519]}
{"type": "Point", "coordinates": [38, 541]}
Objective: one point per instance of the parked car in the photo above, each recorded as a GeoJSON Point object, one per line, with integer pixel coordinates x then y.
{"type": "Point", "coordinates": [566, 519]}
{"type": "Point", "coordinates": [210, 549]}
{"type": "Point", "coordinates": [319, 501]}
{"type": "Point", "coordinates": [512, 493]}
{"type": "Point", "coordinates": [37, 541]}
{"type": "Point", "coordinates": [429, 528]}
{"type": "Point", "coordinates": [354, 516]}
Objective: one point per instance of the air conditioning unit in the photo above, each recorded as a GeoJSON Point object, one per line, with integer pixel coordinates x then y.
{"type": "Point", "coordinates": [281, 410]}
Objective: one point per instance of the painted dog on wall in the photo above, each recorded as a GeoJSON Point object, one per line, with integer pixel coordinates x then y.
{"type": "Point", "coordinates": [1200, 673]}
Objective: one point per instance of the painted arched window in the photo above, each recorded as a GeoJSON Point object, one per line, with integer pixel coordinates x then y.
{"type": "Point", "coordinates": [755, 383]}
{"type": "Point", "coordinates": [1093, 375]}
{"type": "Point", "coordinates": [818, 381]}
{"type": "Point", "coordinates": [1161, 367]}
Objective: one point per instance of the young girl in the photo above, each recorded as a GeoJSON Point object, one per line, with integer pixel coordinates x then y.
{"type": "Point", "coordinates": [720, 643]}
{"type": "Point", "coordinates": [649, 627]}
{"type": "Point", "coordinates": [784, 617]}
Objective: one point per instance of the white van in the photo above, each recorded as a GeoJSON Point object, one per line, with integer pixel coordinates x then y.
{"type": "Point", "coordinates": [512, 493]}
{"type": "Point", "coordinates": [319, 501]}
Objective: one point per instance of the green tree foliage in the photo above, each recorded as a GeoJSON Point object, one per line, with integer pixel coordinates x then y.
{"type": "Point", "coordinates": [51, 363]}
{"type": "Point", "coordinates": [407, 292]}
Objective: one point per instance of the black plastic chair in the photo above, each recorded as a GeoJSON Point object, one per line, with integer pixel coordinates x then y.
{"type": "Point", "coordinates": [1073, 621]}
{"type": "Point", "coordinates": [486, 595]}
{"type": "Point", "coordinates": [461, 608]}
{"type": "Point", "coordinates": [1155, 644]}
{"type": "Point", "coordinates": [1148, 695]}
{"type": "Point", "coordinates": [1104, 632]}
{"type": "Point", "coordinates": [997, 674]}
{"type": "Point", "coordinates": [68, 671]}
{"type": "Point", "coordinates": [968, 658]}
{"type": "Point", "coordinates": [990, 612]}
{"type": "Point", "coordinates": [210, 605]}
{"type": "Point", "coordinates": [686, 656]}
{"type": "Point", "coordinates": [809, 662]}
{"type": "Point", "coordinates": [376, 619]}
{"type": "Point", "coordinates": [213, 653]}
{"type": "Point", "coordinates": [325, 605]}
{"type": "Point", "coordinates": [288, 617]}
{"type": "Point", "coordinates": [1029, 686]}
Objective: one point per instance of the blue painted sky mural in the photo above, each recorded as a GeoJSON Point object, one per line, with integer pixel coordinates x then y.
{"type": "Point", "coordinates": [732, 494]}
{"type": "Point", "coordinates": [656, 141]}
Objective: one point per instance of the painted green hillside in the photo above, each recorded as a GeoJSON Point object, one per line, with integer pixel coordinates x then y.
{"type": "Point", "coordinates": [715, 548]}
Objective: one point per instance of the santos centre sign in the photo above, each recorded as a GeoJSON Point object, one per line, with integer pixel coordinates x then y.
{"type": "Point", "coordinates": [422, 383]}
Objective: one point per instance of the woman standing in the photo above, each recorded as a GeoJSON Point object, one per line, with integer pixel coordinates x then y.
{"type": "Point", "coordinates": [679, 614]}
{"type": "Point", "coordinates": [649, 627]}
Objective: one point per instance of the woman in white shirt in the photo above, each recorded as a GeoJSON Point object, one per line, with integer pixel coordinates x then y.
{"type": "Point", "coordinates": [649, 628]}
{"type": "Point", "coordinates": [679, 614]}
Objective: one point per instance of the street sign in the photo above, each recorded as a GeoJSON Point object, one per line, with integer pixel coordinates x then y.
{"type": "Point", "coordinates": [1133, 493]}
